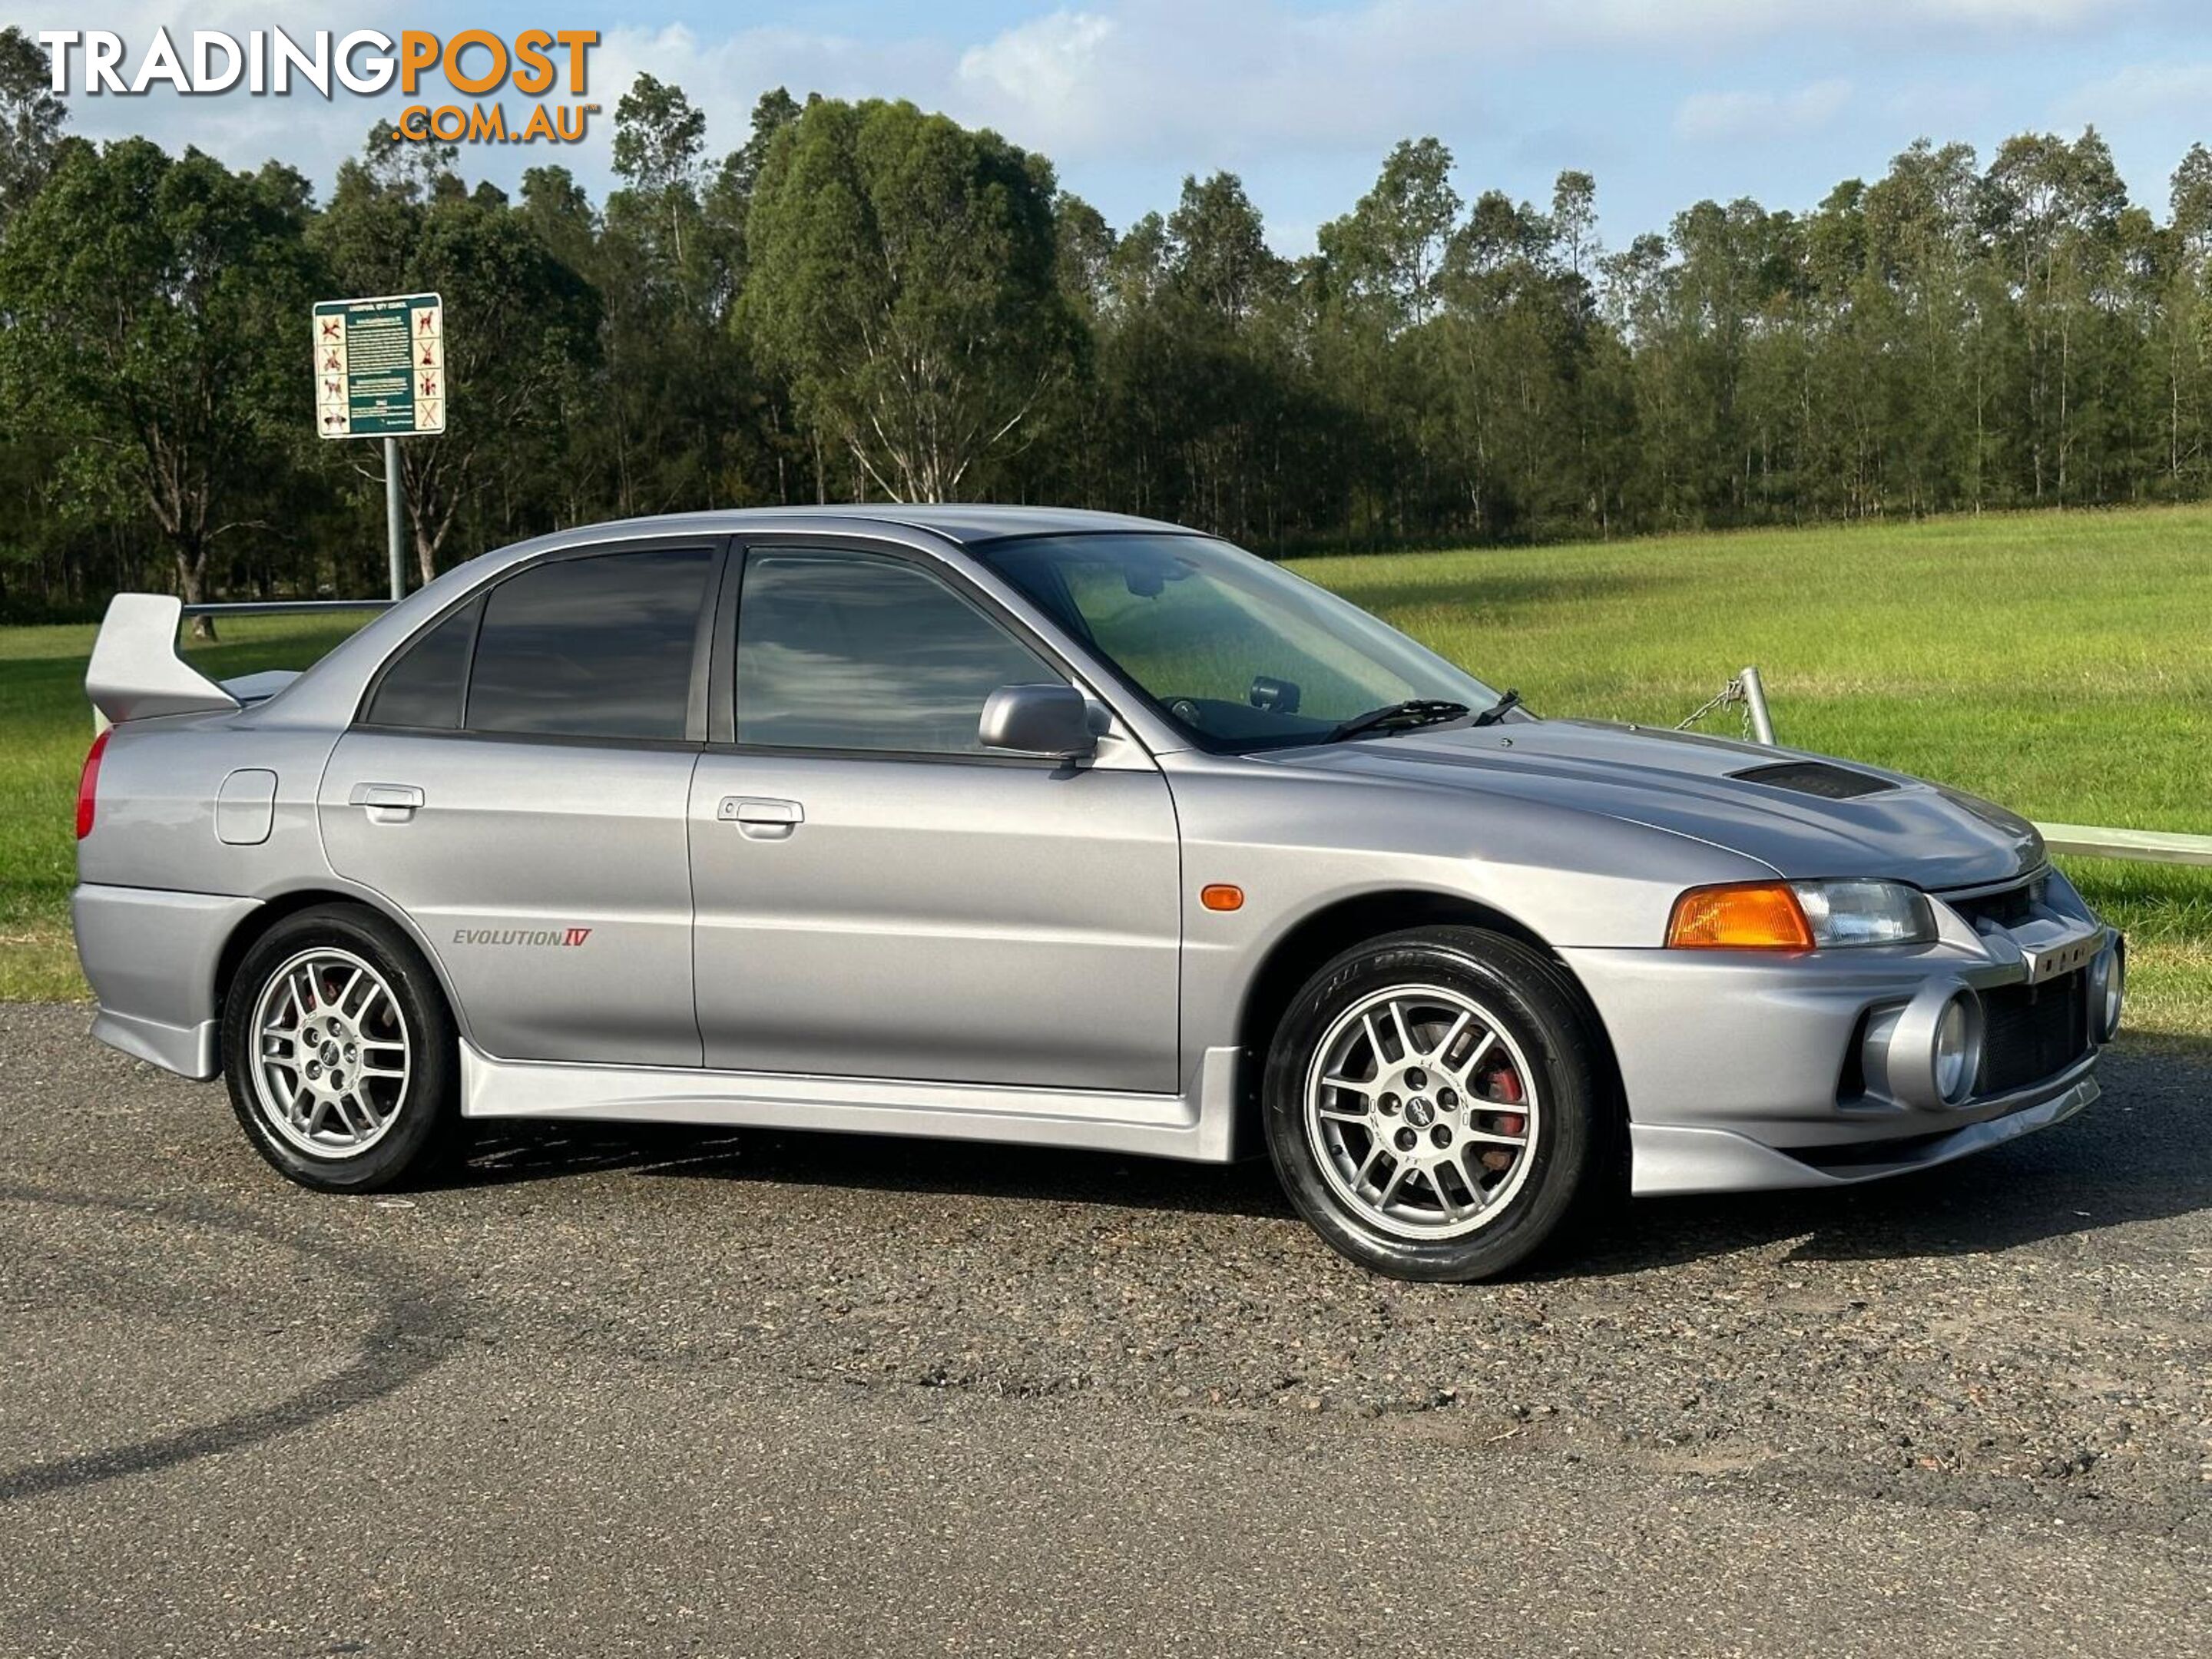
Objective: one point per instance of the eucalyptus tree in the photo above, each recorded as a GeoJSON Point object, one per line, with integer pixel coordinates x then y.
{"type": "Point", "coordinates": [2183, 325]}
{"type": "Point", "coordinates": [1924, 245]}
{"type": "Point", "coordinates": [2052, 210]}
{"type": "Point", "coordinates": [659, 136]}
{"type": "Point", "coordinates": [31, 119]}
{"type": "Point", "coordinates": [1391, 248]}
{"type": "Point", "coordinates": [672, 393]}
{"type": "Point", "coordinates": [157, 311]}
{"type": "Point", "coordinates": [1381, 274]}
{"type": "Point", "coordinates": [902, 270]}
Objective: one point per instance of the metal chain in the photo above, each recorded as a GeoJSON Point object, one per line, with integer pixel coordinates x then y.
{"type": "Point", "coordinates": [1732, 692]}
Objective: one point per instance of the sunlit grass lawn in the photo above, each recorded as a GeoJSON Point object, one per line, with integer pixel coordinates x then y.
{"type": "Point", "coordinates": [2060, 663]}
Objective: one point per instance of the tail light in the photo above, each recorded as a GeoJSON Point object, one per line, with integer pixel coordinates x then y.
{"type": "Point", "coordinates": [87, 784]}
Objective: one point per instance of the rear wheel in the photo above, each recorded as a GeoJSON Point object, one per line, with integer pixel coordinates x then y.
{"type": "Point", "coordinates": [1433, 1105]}
{"type": "Point", "coordinates": [339, 1051]}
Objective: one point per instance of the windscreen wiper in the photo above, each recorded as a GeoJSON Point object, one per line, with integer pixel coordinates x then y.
{"type": "Point", "coordinates": [1498, 710]}
{"type": "Point", "coordinates": [1398, 717]}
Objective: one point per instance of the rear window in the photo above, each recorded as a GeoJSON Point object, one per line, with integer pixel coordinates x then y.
{"type": "Point", "coordinates": [423, 686]}
{"type": "Point", "coordinates": [595, 647]}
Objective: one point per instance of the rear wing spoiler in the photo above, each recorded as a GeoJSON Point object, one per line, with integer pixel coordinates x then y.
{"type": "Point", "coordinates": [136, 672]}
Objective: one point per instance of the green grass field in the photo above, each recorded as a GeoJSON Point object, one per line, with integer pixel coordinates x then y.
{"type": "Point", "coordinates": [2056, 662]}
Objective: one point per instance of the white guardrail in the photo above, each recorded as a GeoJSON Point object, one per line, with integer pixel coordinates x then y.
{"type": "Point", "coordinates": [2083, 839]}
{"type": "Point", "coordinates": [2150, 846]}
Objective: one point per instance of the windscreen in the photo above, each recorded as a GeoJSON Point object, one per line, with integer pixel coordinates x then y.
{"type": "Point", "coordinates": [1239, 652]}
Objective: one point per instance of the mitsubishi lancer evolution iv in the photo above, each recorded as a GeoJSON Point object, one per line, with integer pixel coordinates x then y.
{"type": "Point", "coordinates": [1016, 825]}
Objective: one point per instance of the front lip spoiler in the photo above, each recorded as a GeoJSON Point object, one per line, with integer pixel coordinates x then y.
{"type": "Point", "coordinates": [1667, 1159]}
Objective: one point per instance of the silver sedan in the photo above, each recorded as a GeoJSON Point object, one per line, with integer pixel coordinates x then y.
{"type": "Point", "coordinates": [1047, 827]}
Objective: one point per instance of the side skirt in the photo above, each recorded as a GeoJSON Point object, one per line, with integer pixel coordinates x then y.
{"type": "Point", "coordinates": [1198, 1125]}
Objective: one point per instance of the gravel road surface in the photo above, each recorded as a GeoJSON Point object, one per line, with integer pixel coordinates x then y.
{"type": "Point", "coordinates": [645, 1393]}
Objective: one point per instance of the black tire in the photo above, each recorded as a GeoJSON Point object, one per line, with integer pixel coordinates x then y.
{"type": "Point", "coordinates": [1576, 1146]}
{"type": "Point", "coordinates": [424, 1120]}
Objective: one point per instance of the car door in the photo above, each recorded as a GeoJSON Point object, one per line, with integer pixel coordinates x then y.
{"type": "Point", "coordinates": [878, 896]}
{"type": "Point", "coordinates": [517, 784]}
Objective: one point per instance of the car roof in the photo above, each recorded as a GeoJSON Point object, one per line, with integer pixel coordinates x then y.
{"type": "Point", "coordinates": [965, 524]}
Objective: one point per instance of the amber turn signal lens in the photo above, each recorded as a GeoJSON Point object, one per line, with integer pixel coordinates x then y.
{"type": "Point", "coordinates": [1747, 915]}
{"type": "Point", "coordinates": [1221, 896]}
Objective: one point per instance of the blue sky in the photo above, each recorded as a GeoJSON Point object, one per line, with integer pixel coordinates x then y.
{"type": "Point", "coordinates": [1665, 101]}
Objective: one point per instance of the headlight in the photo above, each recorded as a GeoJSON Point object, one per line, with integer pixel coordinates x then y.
{"type": "Point", "coordinates": [1865, 913]}
{"type": "Point", "coordinates": [1799, 915]}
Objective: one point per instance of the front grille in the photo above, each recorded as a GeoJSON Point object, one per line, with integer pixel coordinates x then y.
{"type": "Point", "coordinates": [2034, 1031]}
{"type": "Point", "coordinates": [2007, 908]}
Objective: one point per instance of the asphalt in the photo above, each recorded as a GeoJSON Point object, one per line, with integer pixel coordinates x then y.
{"type": "Point", "coordinates": [765, 1394]}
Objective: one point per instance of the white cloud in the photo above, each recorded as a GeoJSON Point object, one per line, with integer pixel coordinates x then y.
{"type": "Point", "coordinates": [1218, 80]}
{"type": "Point", "coordinates": [1154, 84]}
{"type": "Point", "coordinates": [725, 75]}
{"type": "Point", "coordinates": [1203, 83]}
{"type": "Point", "coordinates": [1052, 59]}
{"type": "Point", "coordinates": [2137, 90]}
{"type": "Point", "coordinates": [2012, 14]}
{"type": "Point", "coordinates": [1717, 117]}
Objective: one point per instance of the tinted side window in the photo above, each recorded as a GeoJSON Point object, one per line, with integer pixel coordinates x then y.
{"type": "Point", "coordinates": [592, 647]}
{"type": "Point", "coordinates": [423, 686]}
{"type": "Point", "coordinates": [845, 651]}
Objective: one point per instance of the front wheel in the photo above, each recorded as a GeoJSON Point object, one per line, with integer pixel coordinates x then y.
{"type": "Point", "coordinates": [341, 1057]}
{"type": "Point", "coordinates": [1433, 1104]}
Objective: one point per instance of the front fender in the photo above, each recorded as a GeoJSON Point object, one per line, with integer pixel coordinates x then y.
{"type": "Point", "coordinates": [1299, 844]}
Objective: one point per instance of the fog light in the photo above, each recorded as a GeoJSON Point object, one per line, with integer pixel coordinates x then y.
{"type": "Point", "coordinates": [1958, 1048]}
{"type": "Point", "coordinates": [2108, 980]}
{"type": "Point", "coordinates": [1926, 1053]}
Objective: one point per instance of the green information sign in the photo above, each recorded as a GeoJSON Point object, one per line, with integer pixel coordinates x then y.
{"type": "Point", "coordinates": [380, 367]}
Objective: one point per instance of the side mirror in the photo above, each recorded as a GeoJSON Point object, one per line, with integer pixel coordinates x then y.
{"type": "Point", "coordinates": [1037, 719]}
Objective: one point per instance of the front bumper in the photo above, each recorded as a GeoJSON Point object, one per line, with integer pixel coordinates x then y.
{"type": "Point", "coordinates": [1744, 1071]}
{"type": "Point", "coordinates": [151, 957]}
{"type": "Point", "coordinates": [1678, 1158]}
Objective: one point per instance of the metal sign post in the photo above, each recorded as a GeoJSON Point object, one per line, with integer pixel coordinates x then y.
{"type": "Point", "coordinates": [395, 518]}
{"type": "Point", "coordinates": [380, 373]}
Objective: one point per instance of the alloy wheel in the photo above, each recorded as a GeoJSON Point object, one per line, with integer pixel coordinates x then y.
{"type": "Point", "coordinates": [332, 1053]}
{"type": "Point", "coordinates": [1422, 1112]}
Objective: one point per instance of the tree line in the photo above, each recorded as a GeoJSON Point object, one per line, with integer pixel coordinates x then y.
{"type": "Point", "coordinates": [865, 302]}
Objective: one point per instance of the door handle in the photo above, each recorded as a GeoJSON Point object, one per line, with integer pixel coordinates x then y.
{"type": "Point", "coordinates": [387, 803]}
{"type": "Point", "coordinates": [761, 820]}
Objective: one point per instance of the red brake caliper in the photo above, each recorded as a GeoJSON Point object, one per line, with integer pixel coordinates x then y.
{"type": "Point", "coordinates": [1505, 1090]}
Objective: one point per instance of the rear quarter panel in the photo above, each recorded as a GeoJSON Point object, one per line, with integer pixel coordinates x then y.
{"type": "Point", "coordinates": [155, 822]}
